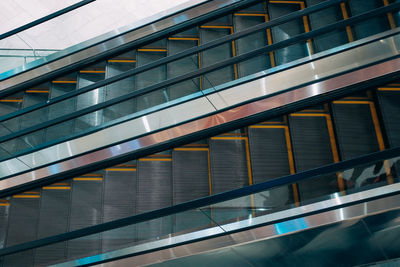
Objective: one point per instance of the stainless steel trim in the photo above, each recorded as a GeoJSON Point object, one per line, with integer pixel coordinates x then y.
{"type": "Point", "coordinates": [266, 231]}
{"type": "Point", "coordinates": [109, 41]}
{"type": "Point", "coordinates": [170, 117]}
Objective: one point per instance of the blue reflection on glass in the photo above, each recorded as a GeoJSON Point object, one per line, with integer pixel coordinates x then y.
{"type": "Point", "coordinates": [180, 19]}
{"type": "Point", "coordinates": [290, 226]}
{"type": "Point", "coordinates": [90, 259]}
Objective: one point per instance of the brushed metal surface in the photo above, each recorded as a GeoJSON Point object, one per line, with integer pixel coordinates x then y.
{"type": "Point", "coordinates": [115, 137]}
{"type": "Point", "coordinates": [267, 229]}
{"type": "Point", "coordinates": [109, 41]}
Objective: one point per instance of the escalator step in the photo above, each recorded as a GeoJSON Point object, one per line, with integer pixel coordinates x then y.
{"type": "Point", "coordinates": [119, 202]}
{"type": "Point", "coordinates": [216, 54]}
{"type": "Point", "coordinates": [22, 226]}
{"type": "Point", "coordinates": [190, 181]}
{"type": "Point", "coordinates": [64, 107]}
{"type": "Point", "coordinates": [323, 18]}
{"type": "Point", "coordinates": [88, 99]}
{"type": "Point", "coordinates": [31, 119]}
{"type": "Point", "coordinates": [190, 174]}
{"type": "Point", "coordinates": [151, 77]}
{"type": "Point", "coordinates": [154, 191]}
{"type": "Point", "coordinates": [182, 66]}
{"type": "Point", "coordinates": [86, 210]}
{"type": "Point", "coordinates": [312, 148]}
{"type": "Point", "coordinates": [355, 128]}
{"type": "Point", "coordinates": [4, 212]}
{"type": "Point", "coordinates": [228, 163]}
{"type": "Point", "coordinates": [270, 159]}
{"type": "Point", "coordinates": [119, 88]}
{"type": "Point", "coordinates": [389, 99]}
{"type": "Point", "coordinates": [286, 31]}
{"type": "Point", "coordinates": [53, 220]}
{"type": "Point", "coordinates": [371, 26]}
{"type": "Point", "coordinates": [251, 42]}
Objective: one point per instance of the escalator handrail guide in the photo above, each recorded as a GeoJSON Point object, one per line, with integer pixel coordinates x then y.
{"type": "Point", "coordinates": [206, 201]}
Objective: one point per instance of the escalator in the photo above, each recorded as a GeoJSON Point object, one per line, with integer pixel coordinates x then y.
{"type": "Point", "coordinates": [325, 128]}
{"type": "Point", "coordinates": [277, 147]}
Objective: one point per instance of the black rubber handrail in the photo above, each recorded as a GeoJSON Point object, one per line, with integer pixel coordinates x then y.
{"type": "Point", "coordinates": [206, 201]}
{"type": "Point", "coordinates": [46, 18]}
{"type": "Point", "coordinates": [202, 71]}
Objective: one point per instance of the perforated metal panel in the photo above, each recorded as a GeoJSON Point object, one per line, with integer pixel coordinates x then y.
{"type": "Point", "coordinates": [390, 107]}
{"type": "Point", "coordinates": [251, 42]}
{"type": "Point", "coordinates": [152, 76]}
{"type": "Point", "coordinates": [355, 130]}
{"type": "Point", "coordinates": [53, 220]}
{"type": "Point", "coordinates": [182, 66]}
{"type": "Point", "coordinates": [311, 149]}
{"type": "Point", "coordinates": [285, 31]}
{"type": "Point", "coordinates": [119, 88]}
{"type": "Point", "coordinates": [228, 165]}
{"type": "Point", "coordinates": [86, 210]}
{"type": "Point", "coordinates": [119, 202]}
{"type": "Point", "coordinates": [216, 54]}
{"type": "Point", "coordinates": [269, 160]}
{"type": "Point", "coordinates": [154, 192]}
{"type": "Point", "coordinates": [372, 25]}
{"type": "Point", "coordinates": [190, 181]}
{"type": "Point", "coordinates": [22, 227]}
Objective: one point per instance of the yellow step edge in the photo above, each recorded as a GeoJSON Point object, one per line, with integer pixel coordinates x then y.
{"type": "Point", "coordinates": [56, 188]}
{"type": "Point", "coordinates": [183, 39]}
{"type": "Point", "coordinates": [216, 27]}
{"type": "Point", "coordinates": [152, 50]}
{"type": "Point", "coordinates": [351, 102]}
{"type": "Point", "coordinates": [38, 91]}
{"type": "Point", "coordinates": [122, 60]}
{"type": "Point", "coordinates": [88, 179]}
{"type": "Point", "coordinates": [389, 89]}
{"type": "Point", "coordinates": [11, 100]}
{"type": "Point", "coordinates": [155, 159]}
{"type": "Point", "coordinates": [92, 71]}
{"type": "Point", "coordinates": [64, 81]}
{"type": "Point", "coordinates": [4, 204]}
{"type": "Point", "coordinates": [26, 196]}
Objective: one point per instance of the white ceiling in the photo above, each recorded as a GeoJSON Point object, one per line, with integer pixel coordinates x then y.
{"type": "Point", "coordinates": [77, 26]}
